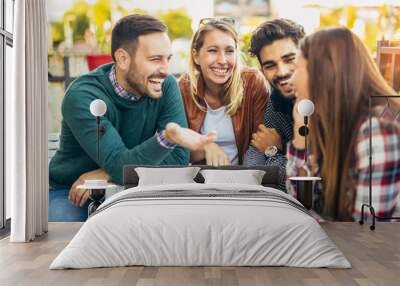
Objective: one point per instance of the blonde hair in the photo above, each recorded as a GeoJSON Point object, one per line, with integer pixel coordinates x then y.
{"type": "Point", "coordinates": [233, 88]}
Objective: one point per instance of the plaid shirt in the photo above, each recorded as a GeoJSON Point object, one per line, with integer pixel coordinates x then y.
{"type": "Point", "coordinates": [122, 92]}
{"type": "Point", "coordinates": [127, 95]}
{"type": "Point", "coordinates": [385, 168]}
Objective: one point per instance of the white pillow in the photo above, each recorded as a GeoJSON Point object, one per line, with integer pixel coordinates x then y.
{"type": "Point", "coordinates": [248, 177]}
{"type": "Point", "coordinates": [164, 176]}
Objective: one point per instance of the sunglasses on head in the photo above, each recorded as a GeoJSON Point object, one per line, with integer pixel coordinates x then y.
{"type": "Point", "coordinates": [225, 20]}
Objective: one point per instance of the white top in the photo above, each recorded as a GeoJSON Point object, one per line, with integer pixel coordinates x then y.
{"type": "Point", "coordinates": [217, 120]}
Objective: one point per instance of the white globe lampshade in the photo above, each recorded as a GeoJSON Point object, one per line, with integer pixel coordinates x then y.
{"type": "Point", "coordinates": [305, 107]}
{"type": "Point", "coordinates": [98, 107]}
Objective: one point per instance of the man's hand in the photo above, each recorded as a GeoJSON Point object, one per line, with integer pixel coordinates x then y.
{"type": "Point", "coordinates": [265, 137]}
{"type": "Point", "coordinates": [215, 155]}
{"type": "Point", "coordinates": [79, 196]}
{"type": "Point", "coordinates": [187, 138]}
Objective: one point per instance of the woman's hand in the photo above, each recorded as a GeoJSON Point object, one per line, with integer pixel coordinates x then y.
{"type": "Point", "coordinates": [215, 155]}
{"type": "Point", "coordinates": [79, 196]}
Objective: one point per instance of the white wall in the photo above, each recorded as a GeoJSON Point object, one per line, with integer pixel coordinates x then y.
{"type": "Point", "coordinates": [295, 10]}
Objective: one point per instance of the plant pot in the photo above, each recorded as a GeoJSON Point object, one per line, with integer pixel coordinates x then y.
{"type": "Point", "coordinates": [95, 61]}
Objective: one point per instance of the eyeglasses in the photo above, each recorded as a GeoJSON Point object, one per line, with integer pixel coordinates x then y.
{"type": "Point", "coordinates": [226, 20]}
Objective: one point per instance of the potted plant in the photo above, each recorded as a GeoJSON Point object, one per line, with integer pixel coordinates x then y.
{"type": "Point", "coordinates": [100, 30]}
{"type": "Point", "coordinates": [85, 29]}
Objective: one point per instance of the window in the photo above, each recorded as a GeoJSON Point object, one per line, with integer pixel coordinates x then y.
{"type": "Point", "coordinates": [8, 74]}
{"type": "Point", "coordinates": [9, 15]}
{"type": "Point", "coordinates": [6, 44]}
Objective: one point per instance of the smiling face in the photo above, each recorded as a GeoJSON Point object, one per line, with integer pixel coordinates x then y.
{"type": "Point", "coordinates": [299, 80]}
{"type": "Point", "coordinates": [145, 71]}
{"type": "Point", "coordinates": [217, 57]}
{"type": "Point", "coordinates": [278, 64]}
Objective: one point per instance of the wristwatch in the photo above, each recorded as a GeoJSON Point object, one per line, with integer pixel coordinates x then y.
{"type": "Point", "coordinates": [271, 151]}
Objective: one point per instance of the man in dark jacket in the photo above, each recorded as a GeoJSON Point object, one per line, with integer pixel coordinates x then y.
{"type": "Point", "coordinates": [275, 44]}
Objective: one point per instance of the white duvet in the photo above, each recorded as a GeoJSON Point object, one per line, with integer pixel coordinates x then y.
{"type": "Point", "coordinates": [201, 224]}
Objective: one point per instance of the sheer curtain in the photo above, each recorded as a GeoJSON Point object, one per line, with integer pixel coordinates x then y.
{"type": "Point", "coordinates": [26, 123]}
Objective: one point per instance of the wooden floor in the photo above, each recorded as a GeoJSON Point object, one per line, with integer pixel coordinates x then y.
{"type": "Point", "coordinates": [374, 255]}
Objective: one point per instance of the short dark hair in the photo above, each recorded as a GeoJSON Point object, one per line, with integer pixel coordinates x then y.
{"type": "Point", "coordinates": [127, 30]}
{"type": "Point", "coordinates": [273, 30]}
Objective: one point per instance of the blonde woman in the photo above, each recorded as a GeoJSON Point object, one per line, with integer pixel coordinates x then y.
{"type": "Point", "coordinates": [220, 95]}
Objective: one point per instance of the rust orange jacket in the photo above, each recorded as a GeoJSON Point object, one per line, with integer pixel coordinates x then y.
{"type": "Point", "coordinates": [247, 117]}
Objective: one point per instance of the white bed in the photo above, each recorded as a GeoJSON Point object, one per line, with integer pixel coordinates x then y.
{"type": "Point", "coordinates": [201, 224]}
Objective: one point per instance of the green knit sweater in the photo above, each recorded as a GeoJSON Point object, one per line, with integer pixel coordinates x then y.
{"type": "Point", "coordinates": [130, 128]}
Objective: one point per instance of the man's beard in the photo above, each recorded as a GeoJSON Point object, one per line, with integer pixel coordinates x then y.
{"type": "Point", "coordinates": [276, 84]}
{"type": "Point", "coordinates": [134, 88]}
{"type": "Point", "coordinates": [141, 89]}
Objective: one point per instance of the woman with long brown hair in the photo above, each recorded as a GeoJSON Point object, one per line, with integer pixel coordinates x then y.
{"type": "Point", "coordinates": [336, 72]}
{"type": "Point", "coordinates": [220, 95]}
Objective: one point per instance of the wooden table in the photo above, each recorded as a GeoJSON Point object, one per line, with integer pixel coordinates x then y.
{"type": "Point", "coordinates": [374, 255]}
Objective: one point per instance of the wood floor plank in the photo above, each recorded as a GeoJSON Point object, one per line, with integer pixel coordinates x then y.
{"type": "Point", "coordinates": [375, 258]}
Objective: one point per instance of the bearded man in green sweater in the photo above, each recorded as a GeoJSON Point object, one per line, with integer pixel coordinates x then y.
{"type": "Point", "coordinates": [145, 122]}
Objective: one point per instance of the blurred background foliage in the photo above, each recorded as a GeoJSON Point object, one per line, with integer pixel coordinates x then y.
{"type": "Point", "coordinates": [371, 23]}
{"type": "Point", "coordinates": [244, 48]}
{"type": "Point", "coordinates": [90, 22]}
{"type": "Point", "coordinates": [178, 22]}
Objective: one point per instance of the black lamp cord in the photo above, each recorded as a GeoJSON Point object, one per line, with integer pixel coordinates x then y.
{"type": "Point", "coordinates": [98, 137]}
{"type": "Point", "coordinates": [305, 139]}
{"type": "Point", "coordinates": [99, 132]}
{"type": "Point", "coordinates": [303, 131]}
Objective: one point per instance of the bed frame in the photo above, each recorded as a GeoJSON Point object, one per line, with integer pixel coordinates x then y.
{"type": "Point", "coordinates": [270, 179]}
